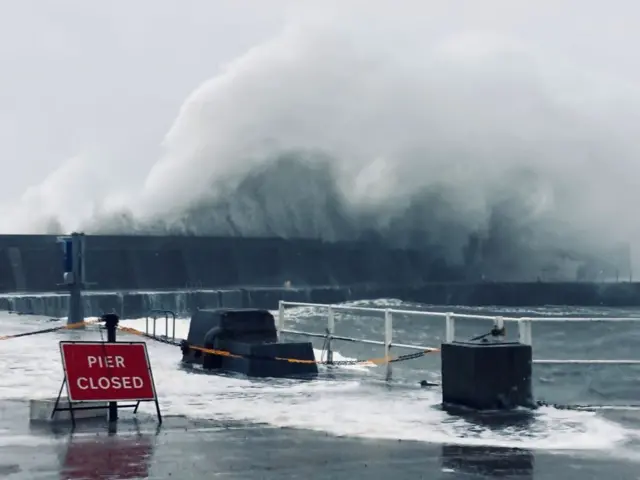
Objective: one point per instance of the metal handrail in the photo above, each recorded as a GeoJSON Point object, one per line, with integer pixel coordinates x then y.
{"type": "Point", "coordinates": [458, 315]}
{"type": "Point", "coordinates": [166, 314]}
{"type": "Point", "coordinates": [524, 328]}
{"type": "Point", "coordinates": [356, 340]}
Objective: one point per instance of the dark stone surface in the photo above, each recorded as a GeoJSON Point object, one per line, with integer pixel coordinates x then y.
{"type": "Point", "coordinates": [137, 304]}
{"type": "Point", "coordinates": [239, 268]}
{"type": "Point", "coordinates": [486, 376]}
{"type": "Point", "coordinates": [156, 263]}
{"type": "Point", "coordinates": [189, 449]}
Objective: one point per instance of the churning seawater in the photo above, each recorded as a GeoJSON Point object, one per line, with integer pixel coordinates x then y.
{"type": "Point", "coordinates": [355, 401]}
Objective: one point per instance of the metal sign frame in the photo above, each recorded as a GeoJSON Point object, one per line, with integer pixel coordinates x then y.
{"type": "Point", "coordinates": [71, 409]}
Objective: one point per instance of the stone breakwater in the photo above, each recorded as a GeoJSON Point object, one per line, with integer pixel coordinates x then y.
{"type": "Point", "coordinates": [131, 275]}
{"type": "Point", "coordinates": [34, 263]}
{"type": "Point", "coordinates": [183, 302]}
{"type": "Point", "coordinates": [132, 304]}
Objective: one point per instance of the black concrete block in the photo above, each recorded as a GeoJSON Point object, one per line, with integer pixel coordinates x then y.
{"type": "Point", "coordinates": [259, 360]}
{"type": "Point", "coordinates": [251, 334]}
{"type": "Point", "coordinates": [486, 376]}
{"type": "Point", "coordinates": [201, 322]}
{"type": "Point", "coordinates": [246, 325]}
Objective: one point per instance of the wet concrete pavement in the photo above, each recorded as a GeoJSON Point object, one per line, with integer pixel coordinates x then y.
{"type": "Point", "coordinates": [188, 449]}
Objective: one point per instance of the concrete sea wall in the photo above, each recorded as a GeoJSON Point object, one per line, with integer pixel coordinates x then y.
{"type": "Point", "coordinates": [185, 273]}
{"type": "Point", "coordinates": [133, 304]}
{"type": "Point", "coordinates": [183, 303]}
{"type": "Point", "coordinates": [34, 263]}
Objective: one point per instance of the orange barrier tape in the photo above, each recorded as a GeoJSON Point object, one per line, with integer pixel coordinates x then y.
{"type": "Point", "coordinates": [49, 330]}
{"type": "Point", "coordinates": [224, 353]}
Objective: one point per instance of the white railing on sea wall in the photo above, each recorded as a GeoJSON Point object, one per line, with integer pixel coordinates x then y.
{"type": "Point", "coordinates": [524, 329]}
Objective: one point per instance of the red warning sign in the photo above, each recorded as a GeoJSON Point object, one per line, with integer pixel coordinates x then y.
{"type": "Point", "coordinates": [107, 372]}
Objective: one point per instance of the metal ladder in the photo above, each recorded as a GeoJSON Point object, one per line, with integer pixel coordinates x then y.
{"type": "Point", "coordinates": [156, 315]}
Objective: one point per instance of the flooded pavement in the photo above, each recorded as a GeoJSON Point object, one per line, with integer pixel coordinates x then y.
{"type": "Point", "coordinates": [194, 449]}
{"type": "Point", "coordinates": [345, 425]}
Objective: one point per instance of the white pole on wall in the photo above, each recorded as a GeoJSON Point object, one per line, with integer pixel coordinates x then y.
{"type": "Point", "coordinates": [388, 339]}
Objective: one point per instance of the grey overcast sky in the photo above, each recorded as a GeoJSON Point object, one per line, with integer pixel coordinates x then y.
{"type": "Point", "coordinates": [109, 75]}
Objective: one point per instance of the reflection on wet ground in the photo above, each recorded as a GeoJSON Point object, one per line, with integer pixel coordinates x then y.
{"type": "Point", "coordinates": [117, 457]}
{"type": "Point", "coordinates": [189, 449]}
{"type": "Point", "coordinates": [488, 461]}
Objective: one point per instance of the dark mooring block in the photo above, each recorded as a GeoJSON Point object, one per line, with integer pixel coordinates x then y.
{"type": "Point", "coordinates": [251, 339]}
{"type": "Point", "coordinates": [486, 376]}
{"type": "Point", "coordinates": [263, 360]}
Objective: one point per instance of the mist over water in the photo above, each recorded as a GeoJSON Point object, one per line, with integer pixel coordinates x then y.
{"type": "Point", "coordinates": [462, 135]}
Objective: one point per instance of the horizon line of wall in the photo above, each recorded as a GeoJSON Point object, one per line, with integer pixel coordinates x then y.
{"type": "Point", "coordinates": [140, 304]}
{"type": "Point", "coordinates": [34, 263]}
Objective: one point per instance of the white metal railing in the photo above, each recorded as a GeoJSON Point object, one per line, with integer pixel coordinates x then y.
{"type": "Point", "coordinates": [524, 329]}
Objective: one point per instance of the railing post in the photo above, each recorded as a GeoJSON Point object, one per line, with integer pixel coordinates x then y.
{"type": "Point", "coordinates": [524, 330]}
{"type": "Point", "coordinates": [330, 331]}
{"type": "Point", "coordinates": [450, 328]}
{"type": "Point", "coordinates": [498, 323]}
{"type": "Point", "coordinates": [146, 325]}
{"type": "Point", "coordinates": [166, 325]}
{"type": "Point", "coordinates": [280, 319]}
{"type": "Point", "coordinates": [388, 339]}
{"type": "Point", "coordinates": [173, 314]}
{"type": "Point", "coordinates": [155, 321]}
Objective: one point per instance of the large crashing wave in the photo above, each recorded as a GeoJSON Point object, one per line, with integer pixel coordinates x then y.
{"type": "Point", "coordinates": [466, 146]}
{"type": "Point", "coordinates": [295, 196]}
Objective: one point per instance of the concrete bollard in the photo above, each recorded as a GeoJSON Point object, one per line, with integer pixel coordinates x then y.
{"type": "Point", "coordinates": [487, 376]}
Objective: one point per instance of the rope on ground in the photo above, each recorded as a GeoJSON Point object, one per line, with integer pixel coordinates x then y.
{"type": "Point", "coordinates": [223, 353]}
{"type": "Point", "coordinates": [133, 331]}
{"type": "Point", "coordinates": [50, 330]}
{"type": "Point", "coordinates": [587, 408]}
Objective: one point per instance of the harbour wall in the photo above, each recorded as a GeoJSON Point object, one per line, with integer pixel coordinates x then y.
{"type": "Point", "coordinates": [34, 263]}
{"type": "Point", "coordinates": [132, 304]}
{"type": "Point", "coordinates": [131, 275]}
